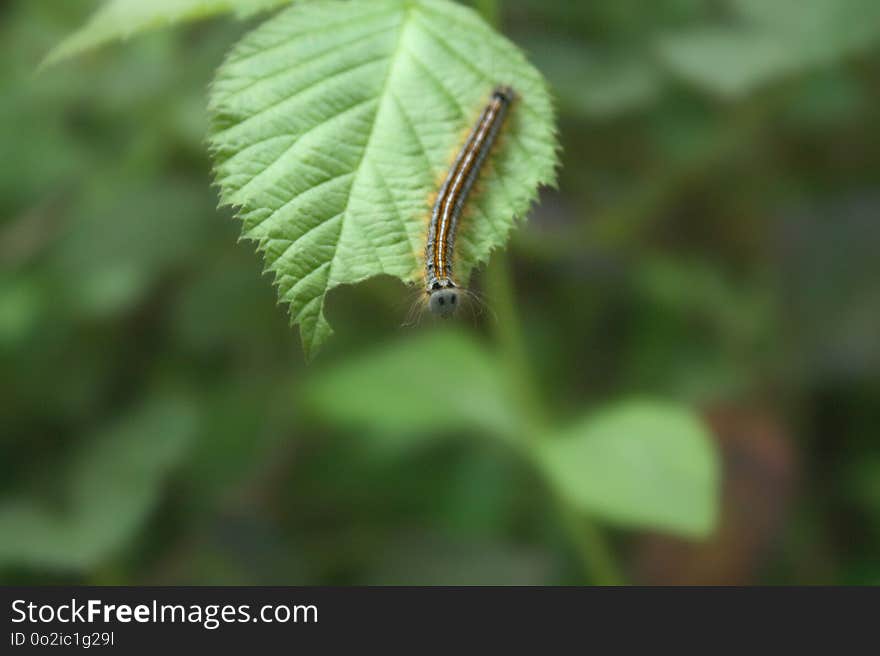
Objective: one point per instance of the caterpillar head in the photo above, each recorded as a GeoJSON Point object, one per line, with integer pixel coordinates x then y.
{"type": "Point", "coordinates": [443, 299]}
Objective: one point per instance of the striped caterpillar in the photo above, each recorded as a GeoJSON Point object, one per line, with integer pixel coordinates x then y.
{"type": "Point", "coordinates": [443, 293]}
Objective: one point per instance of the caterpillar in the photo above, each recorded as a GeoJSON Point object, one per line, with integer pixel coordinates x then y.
{"type": "Point", "coordinates": [440, 287]}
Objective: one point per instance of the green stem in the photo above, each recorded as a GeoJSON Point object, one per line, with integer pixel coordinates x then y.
{"type": "Point", "coordinates": [588, 539]}
{"type": "Point", "coordinates": [508, 335]}
{"type": "Point", "coordinates": [592, 547]}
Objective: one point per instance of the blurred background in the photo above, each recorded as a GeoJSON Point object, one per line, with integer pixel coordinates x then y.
{"type": "Point", "coordinates": [713, 240]}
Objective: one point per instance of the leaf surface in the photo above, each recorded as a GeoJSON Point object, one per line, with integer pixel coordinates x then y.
{"type": "Point", "coordinates": [770, 40]}
{"type": "Point", "coordinates": [122, 19]}
{"type": "Point", "coordinates": [334, 123]}
{"type": "Point", "coordinates": [638, 463]}
{"type": "Point", "coordinates": [392, 391]}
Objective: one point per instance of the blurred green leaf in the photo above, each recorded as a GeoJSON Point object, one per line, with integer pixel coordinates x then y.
{"type": "Point", "coordinates": [333, 123]}
{"type": "Point", "coordinates": [593, 82]}
{"type": "Point", "coordinates": [120, 246]}
{"type": "Point", "coordinates": [774, 39]}
{"type": "Point", "coordinates": [122, 19]}
{"type": "Point", "coordinates": [638, 463]}
{"type": "Point", "coordinates": [728, 61]}
{"type": "Point", "coordinates": [392, 391]}
{"type": "Point", "coordinates": [113, 484]}
{"type": "Point", "coordinates": [818, 28]}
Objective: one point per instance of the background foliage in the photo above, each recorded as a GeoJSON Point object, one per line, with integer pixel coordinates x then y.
{"type": "Point", "coordinates": [712, 244]}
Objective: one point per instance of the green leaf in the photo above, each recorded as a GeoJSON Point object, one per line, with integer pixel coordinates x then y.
{"type": "Point", "coordinates": [334, 123]}
{"type": "Point", "coordinates": [595, 82]}
{"type": "Point", "coordinates": [639, 463]}
{"type": "Point", "coordinates": [822, 25]}
{"type": "Point", "coordinates": [113, 484]}
{"type": "Point", "coordinates": [773, 39]}
{"type": "Point", "coordinates": [728, 61]}
{"type": "Point", "coordinates": [388, 391]}
{"type": "Point", "coordinates": [121, 19]}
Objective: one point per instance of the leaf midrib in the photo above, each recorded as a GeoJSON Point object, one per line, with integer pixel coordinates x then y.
{"type": "Point", "coordinates": [358, 168]}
